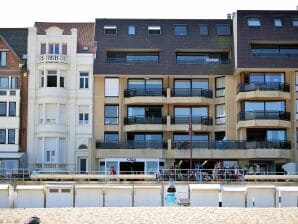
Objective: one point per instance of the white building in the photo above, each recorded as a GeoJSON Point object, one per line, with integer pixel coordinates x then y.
{"type": "Point", "coordinates": [60, 63]}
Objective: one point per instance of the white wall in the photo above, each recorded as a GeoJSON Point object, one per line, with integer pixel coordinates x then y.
{"type": "Point", "coordinates": [30, 199]}
{"type": "Point", "coordinates": [88, 197]}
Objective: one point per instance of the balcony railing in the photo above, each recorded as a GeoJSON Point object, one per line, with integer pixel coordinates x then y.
{"type": "Point", "coordinates": [195, 120]}
{"type": "Point", "coordinates": [269, 86]}
{"type": "Point", "coordinates": [144, 92]}
{"type": "Point", "coordinates": [264, 115]}
{"type": "Point", "coordinates": [130, 145]}
{"type": "Point", "coordinates": [53, 58]}
{"type": "Point", "coordinates": [144, 120]}
{"type": "Point", "coordinates": [221, 145]}
{"type": "Point", "coordinates": [194, 92]}
{"type": "Point", "coordinates": [51, 166]}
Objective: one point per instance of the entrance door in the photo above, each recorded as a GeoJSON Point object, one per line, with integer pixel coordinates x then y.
{"type": "Point", "coordinates": [132, 167]}
{"type": "Point", "coordinates": [83, 165]}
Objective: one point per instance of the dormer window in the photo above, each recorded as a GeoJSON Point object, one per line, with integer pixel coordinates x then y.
{"type": "Point", "coordinates": [3, 58]}
{"type": "Point", "coordinates": [253, 22]}
{"type": "Point", "coordinates": [111, 29]}
{"type": "Point", "coordinates": [154, 30]}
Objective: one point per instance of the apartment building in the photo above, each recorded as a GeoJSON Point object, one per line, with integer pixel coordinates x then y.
{"type": "Point", "coordinates": [13, 98]}
{"type": "Point", "coordinates": [191, 92]}
{"type": "Point", "coordinates": [60, 62]}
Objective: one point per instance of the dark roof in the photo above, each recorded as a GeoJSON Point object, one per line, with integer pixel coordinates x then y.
{"type": "Point", "coordinates": [85, 32]}
{"type": "Point", "coordinates": [16, 38]}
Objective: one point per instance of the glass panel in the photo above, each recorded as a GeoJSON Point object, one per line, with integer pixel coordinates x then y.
{"type": "Point", "coordinates": [2, 136]}
{"type": "Point", "coordinates": [153, 137]}
{"type": "Point", "coordinates": [3, 55]}
{"type": "Point", "coordinates": [276, 135]}
{"type": "Point", "coordinates": [4, 83]}
{"type": "Point", "coordinates": [277, 22]}
{"type": "Point", "coordinates": [154, 84]}
{"type": "Point", "coordinates": [136, 111]}
{"type": "Point", "coordinates": [256, 78]}
{"type": "Point", "coordinates": [254, 106]}
{"type": "Point", "coordinates": [182, 111]}
{"type": "Point", "coordinates": [14, 82]}
{"type": "Point", "coordinates": [12, 109]}
{"type": "Point", "coordinates": [136, 84]}
{"type": "Point", "coordinates": [195, 137]}
{"type": "Point", "coordinates": [139, 137]}
{"type": "Point", "coordinates": [111, 136]}
{"type": "Point", "coordinates": [151, 167]}
{"type": "Point", "coordinates": [275, 106]}
{"type": "Point", "coordinates": [111, 114]}
{"type": "Point", "coordinates": [183, 84]}
{"type": "Point", "coordinates": [253, 22]}
{"type": "Point", "coordinates": [3, 108]}
{"type": "Point", "coordinates": [131, 30]}
{"type": "Point", "coordinates": [200, 84]}
{"type": "Point", "coordinates": [111, 167]}
{"type": "Point", "coordinates": [200, 111]}
{"type": "Point", "coordinates": [11, 136]}
{"type": "Point", "coordinates": [180, 30]}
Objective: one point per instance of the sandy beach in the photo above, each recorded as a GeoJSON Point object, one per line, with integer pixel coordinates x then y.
{"type": "Point", "coordinates": [164, 215]}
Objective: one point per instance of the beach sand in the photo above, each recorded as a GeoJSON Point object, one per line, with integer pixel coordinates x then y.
{"type": "Point", "coordinates": [164, 215]}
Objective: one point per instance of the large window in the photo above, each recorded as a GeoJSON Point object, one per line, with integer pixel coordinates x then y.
{"type": "Point", "coordinates": [3, 109]}
{"type": "Point", "coordinates": [219, 86]}
{"type": "Point", "coordinates": [3, 58]}
{"type": "Point", "coordinates": [199, 115]}
{"type": "Point", "coordinates": [12, 109]}
{"type": "Point", "coordinates": [262, 78]}
{"type": "Point", "coordinates": [11, 136]}
{"type": "Point", "coordinates": [83, 114]}
{"type": "Point", "coordinates": [275, 50]}
{"type": "Point", "coordinates": [4, 82]}
{"type": "Point", "coordinates": [111, 136]}
{"type": "Point", "coordinates": [277, 22]}
{"type": "Point", "coordinates": [110, 29]}
{"type": "Point", "coordinates": [111, 114]}
{"type": "Point", "coordinates": [253, 22]}
{"type": "Point", "coordinates": [84, 80]}
{"type": "Point", "coordinates": [112, 87]}
{"type": "Point", "coordinates": [52, 79]}
{"type": "Point", "coordinates": [144, 87]}
{"type": "Point", "coordinates": [202, 58]}
{"type": "Point", "coordinates": [131, 30]}
{"type": "Point", "coordinates": [203, 29]}
{"type": "Point", "coordinates": [54, 48]}
{"type": "Point", "coordinates": [154, 30]}
{"type": "Point", "coordinates": [133, 57]}
{"type": "Point", "coordinates": [191, 87]}
{"type": "Point", "coordinates": [220, 113]}
{"type": "Point", "coordinates": [180, 30]}
{"type": "Point", "coordinates": [223, 29]}
{"type": "Point", "coordinates": [2, 136]}
{"type": "Point", "coordinates": [264, 105]}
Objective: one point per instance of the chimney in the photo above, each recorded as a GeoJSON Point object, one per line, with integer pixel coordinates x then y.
{"type": "Point", "coordinates": [229, 16]}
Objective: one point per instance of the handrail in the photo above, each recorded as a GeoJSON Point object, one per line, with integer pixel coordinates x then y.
{"type": "Point", "coordinates": [264, 115]}
{"type": "Point", "coordinates": [130, 120]}
{"type": "Point", "coordinates": [144, 92]}
{"type": "Point", "coordinates": [193, 92]}
{"type": "Point", "coordinates": [268, 86]}
{"type": "Point", "coordinates": [203, 120]}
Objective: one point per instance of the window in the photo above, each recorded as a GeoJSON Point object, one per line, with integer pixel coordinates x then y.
{"type": "Point", "coordinates": [4, 83]}
{"type": "Point", "coordinates": [64, 49]}
{"type": "Point", "coordinates": [220, 117]}
{"type": "Point", "coordinates": [131, 30]}
{"type": "Point", "coordinates": [199, 115]}
{"type": "Point", "coordinates": [180, 30]}
{"type": "Point", "coordinates": [203, 28]}
{"type": "Point", "coordinates": [296, 110]}
{"type": "Point", "coordinates": [275, 50]}
{"type": "Point", "coordinates": [133, 57]}
{"type": "Point", "coordinates": [262, 78]}
{"type": "Point", "coordinates": [11, 136]}
{"type": "Point", "coordinates": [83, 114]}
{"type": "Point", "coordinates": [12, 109]}
{"type": "Point", "coordinates": [193, 87]}
{"type": "Point", "coordinates": [3, 109]}
{"type": "Point", "coordinates": [253, 22]}
{"type": "Point", "coordinates": [111, 30]}
{"type": "Point", "coordinates": [84, 80]}
{"type": "Point", "coordinates": [144, 87]}
{"type": "Point", "coordinates": [264, 106]}
{"type": "Point", "coordinates": [202, 58]}
{"type": "Point", "coordinates": [111, 114]}
{"type": "Point", "coordinates": [14, 82]}
{"type": "Point", "coordinates": [277, 22]}
{"type": "Point", "coordinates": [223, 29]}
{"type": "Point", "coordinates": [111, 136]}
{"type": "Point", "coordinates": [52, 79]}
{"type": "Point", "coordinates": [295, 22]}
{"type": "Point", "coordinates": [61, 79]}
{"type": "Point", "coordinates": [53, 48]}
{"type": "Point", "coordinates": [43, 48]}
{"type": "Point", "coordinates": [3, 58]}
{"type": "Point", "coordinates": [51, 146]}
{"type": "Point", "coordinates": [154, 30]}
{"type": "Point", "coordinates": [2, 136]}
{"type": "Point", "coordinates": [112, 87]}
{"type": "Point", "coordinates": [219, 86]}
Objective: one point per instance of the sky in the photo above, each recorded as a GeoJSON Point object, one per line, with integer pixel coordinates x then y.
{"type": "Point", "coordinates": [26, 12]}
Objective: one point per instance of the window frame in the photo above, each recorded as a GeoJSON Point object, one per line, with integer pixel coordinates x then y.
{"type": "Point", "coordinates": [153, 27]}
{"type": "Point", "coordinates": [220, 31]}
{"type": "Point", "coordinates": [220, 88]}
{"type": "Point", "coordinates": [2, 103]}
{"type": "Point", "coordinates": [52, 75]}
{"type": "Point", "coordinates": [220, 117]}
{"type": "Point", "coordinates": [7, 78]}
{"type": "Point", "coordinates": [129, 30]}
{"type": "Point", "coordinates": [180, 26]}
{"type": "Point", "coordinates": [84, 76]}
{"type": "Point", "coordinates": [15, 109]}
{"type": "Point", "coordinates": [250, 22]}
{"type": "Point", "coordinates": [111, 132]}
{"type": "Point", "coordinates": [4, 131]}
{"type": "Point", "coordinates": [4, 64]}
{"type": "Point", "coordinates": [110, 27]}
{"type": "Point", "coordinates": [275, 22]}
{"type": "Point", "coordinates": [105, 115]}
{"type": "Point", "coordinates": [10, 138]}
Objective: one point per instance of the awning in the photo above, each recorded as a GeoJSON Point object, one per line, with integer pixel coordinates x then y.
{"type": "Point", "coordinates": [11, 155]}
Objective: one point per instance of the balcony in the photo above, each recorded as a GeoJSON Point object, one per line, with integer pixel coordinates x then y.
{"type": "Point", "coordinates": [264, 119]}
{"type": "Point", "coordinates": [53, 58]}
{"type": "Point", "coordinates": [270, 90]}
{"type": "Point", "coordinates": [231, 150]}
{"type": "Point", "coordinates": [128, 149]}
{"type": "Point", "coordinates": [199, 123]}
{"type": "Point", "coordinates": [147, 96]}
{"type": "Point", "coordinates": [52, 166]}
{"type": "Point", "coordinates": [140, 123]}
{"type": "Point", "coordinates": [190, 96]}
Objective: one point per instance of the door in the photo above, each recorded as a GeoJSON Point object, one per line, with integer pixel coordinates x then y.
{"type": "Point", "coordinates": [83, 165]}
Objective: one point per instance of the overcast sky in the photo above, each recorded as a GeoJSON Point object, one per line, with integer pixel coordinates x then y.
{"type": "Point", "coordinates": [26, 12]}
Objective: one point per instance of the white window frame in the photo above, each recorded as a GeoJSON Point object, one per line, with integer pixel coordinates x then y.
{"type": "Point", "coordinates": [110, 27]}
{"type": "Point", "coordinates": [154, 28]}
{"type": "Point", "coordinates": [85, 77]}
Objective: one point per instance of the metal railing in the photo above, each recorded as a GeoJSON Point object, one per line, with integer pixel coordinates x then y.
{"type": "Point", "coordinates": [240, 145]}
{"type": "Point", "coordinates": [195, 120]}
{"type": "Point", "coordinates": [144, 120]}
{"type": "Point", "coordinates": [53, 58]}
{"type": "Point", "coordinates": [268, 86]}
{"type": "Point", "coordinates": [264, 115]}
{"type": "Point", "coordinates": [145, 92]}
{"type": "Point", "coordinates": [51, 166]}
{"type": "Point", "coordinates": [193, 92]}
{"type": "Point", "coordinates": [130, 145]}
{"type": "Point", "coordinates": [14, 174]}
